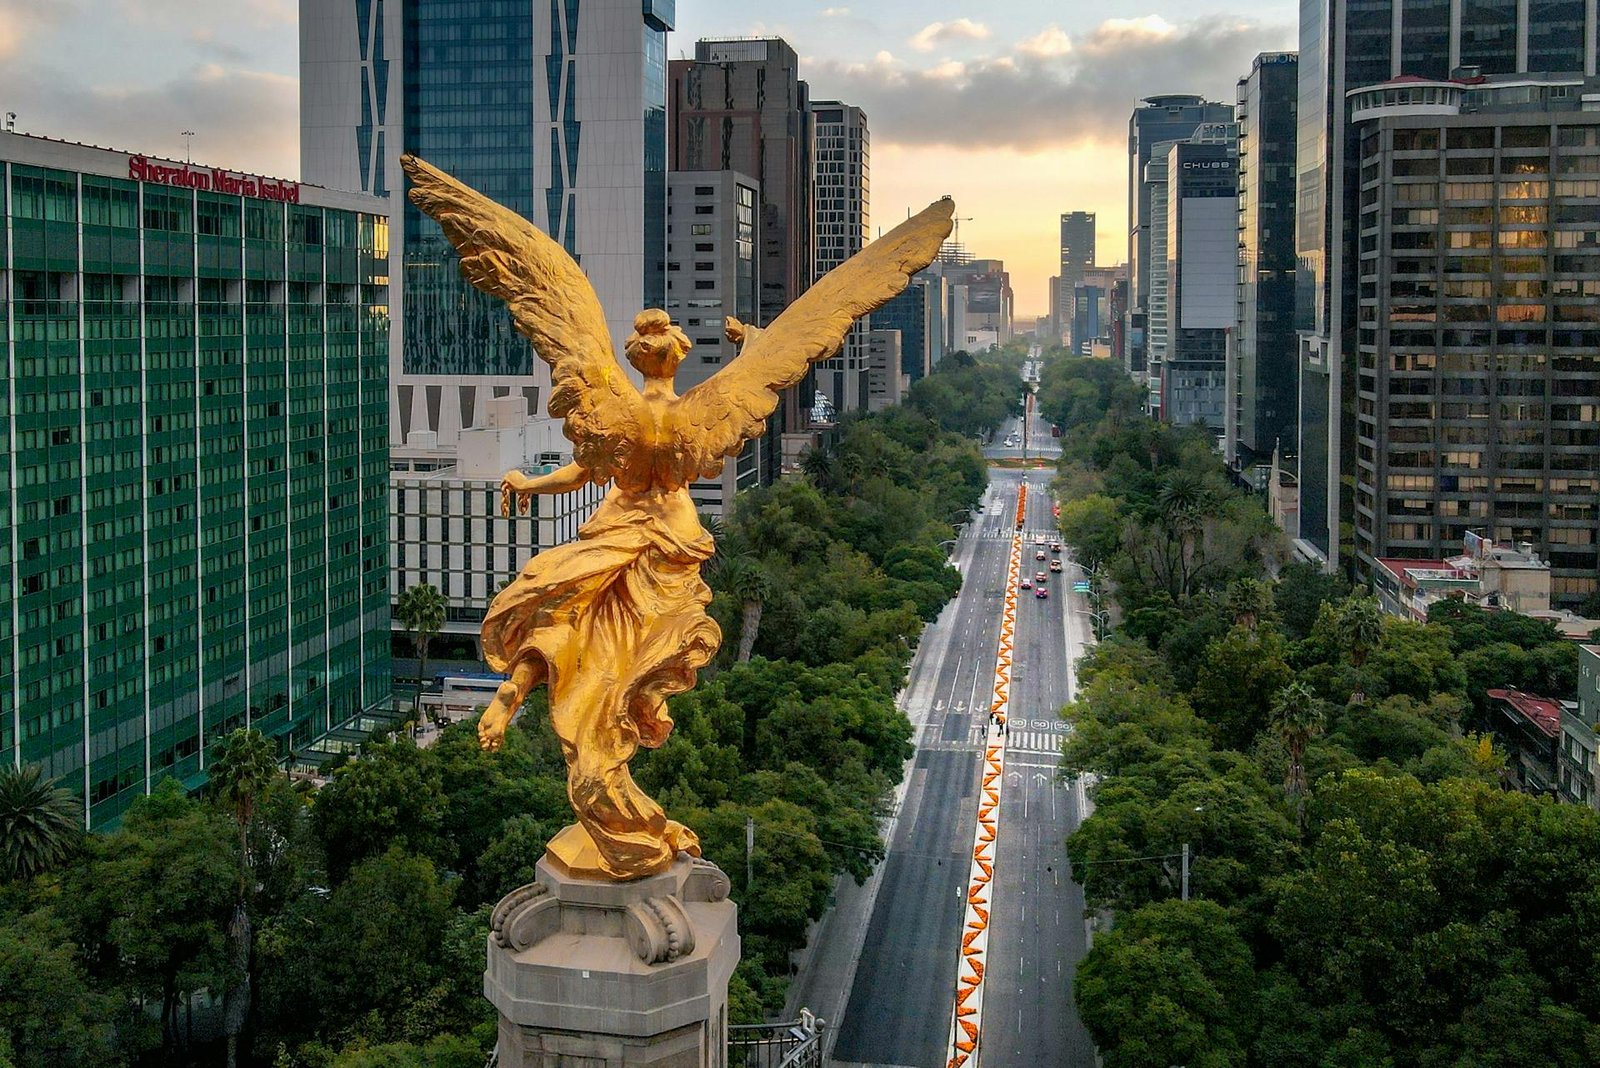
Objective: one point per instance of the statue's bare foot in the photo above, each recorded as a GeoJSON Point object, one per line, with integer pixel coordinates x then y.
{"type": "Point", "coordinates": [497, 717]}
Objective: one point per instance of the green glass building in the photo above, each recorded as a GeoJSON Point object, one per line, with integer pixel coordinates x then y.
{"type": "Point", "coordinates": [193, 464]}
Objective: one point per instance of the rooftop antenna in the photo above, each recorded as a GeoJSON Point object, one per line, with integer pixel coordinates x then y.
{"type": "Point", "coordinates": [188, 145]}
{"type": "Point", "coordinates": [11, 122]}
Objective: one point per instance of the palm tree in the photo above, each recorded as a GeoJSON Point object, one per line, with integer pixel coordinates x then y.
{"type": "Point", "coordinates": [817, 464]}
{"type": "Point", "coordinates": [40, 824]}
{"type": "Point", "coordinates": [1297, 717]}
{"type": "Point", "coordinates": [1248, 601]}
{"type": "Point", "coordinates": [421, 611]}
{"type": "Point", "coordinates": [744, 579]}
{"type": "Point", "coordinates": [242, 766]}
{"type": "Point", "coordinates": [1362, 622]}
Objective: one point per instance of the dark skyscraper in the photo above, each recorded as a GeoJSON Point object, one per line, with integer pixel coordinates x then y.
{"type": "Point", "coordinates": [1077, 256]}
{"type": "Point", "coordinates": [1263, 361]}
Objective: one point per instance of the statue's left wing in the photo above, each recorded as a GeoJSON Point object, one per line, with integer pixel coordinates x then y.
{"type": "Point", "coordinates": [718, 416]}
{"type": "Point", "coordinates": [553, 305]}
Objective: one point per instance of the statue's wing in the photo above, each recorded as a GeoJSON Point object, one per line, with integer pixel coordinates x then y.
{"type": "Point", "coordinates": [720, 414]}
{"type": "Point", "coordinates": [553, 305]}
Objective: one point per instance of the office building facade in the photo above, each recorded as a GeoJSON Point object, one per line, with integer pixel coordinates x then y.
{"type": "Point", "coordinates": [557, 111]}
{"type": "Point", "coordinates": [842, 191]}
{"type": "Point", "coordinates": [195, 457]}
{"type": "Point", "coordinates": [917, 313]}
{"type": "Point", "coordinates": [714, 271]}
{"type": "Point", "coordinates": [1263, 358]}
{"type": "Point", "coordinates": [1157, 119]}
{"type": "Point", "coordinates": [1347, 45]}
{"type": "Point", "coordinates": [445, 523]}
{"type": "Point", "coordinates": [1202, 218]}
{"type": "Point", "coordinates": [1477, 329]}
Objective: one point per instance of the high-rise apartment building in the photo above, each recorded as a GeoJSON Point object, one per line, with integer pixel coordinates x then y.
{"type": "Point", "coordinates": [1346, 45]}
{"type": "Point", "coordinates": [714, 271]}
{"type": "Point", "coordinates": [1158, 119]}
{"type": "Point", "coordinates": [557, 111]}
{"type": "Point", "coordinates": [192, 508]}
{"type": "Point", "coordinates": [1263, 358]}
{"type": "Point", "coordinates": [1077, 256]}
{"type": "Point", "coordinates": [842, 192]}
{"type": "Point", "coordinates": [741, 105]}
{"type": "Point", "coordinates": [1477, 321]}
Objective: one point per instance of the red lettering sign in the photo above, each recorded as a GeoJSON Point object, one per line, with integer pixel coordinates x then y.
{"type": "Point", "coordinates": [184, 176]}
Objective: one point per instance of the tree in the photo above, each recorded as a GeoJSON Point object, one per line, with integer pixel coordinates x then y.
{"type": "Point", "coordinates": [1249, 601]}
{"type": "Point", "coordinates": [154, 899]}
{"type": "Point", "coordinates": [746, 581]}
{"type": "Point", "coordinates": [1092, 525]}
{"type": "Point", "coordinates": [1171, 983]}
{"type": "Point", "coordinates": [1300, 591]}
{"type": "Point", "coordinates": [40, 824]}
{"type": "Point", "coordinates": [1241, 675]}
{"type": "Point", "coordinates": [1362, 623]}
{"type": "Point", "coordinates": [1297, 717]}
{"type": "Point", "coordinates": [50, 1014]}
{"type": "Point", "coordinates": [421, 611]}
{"type": "Point", "coordinates": [392, 796]}
{"type": "Point", "coordinates": [242, 766]}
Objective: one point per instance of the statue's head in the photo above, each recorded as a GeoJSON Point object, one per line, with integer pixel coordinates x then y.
{"type": "Point", "coordinates": [656, 347]}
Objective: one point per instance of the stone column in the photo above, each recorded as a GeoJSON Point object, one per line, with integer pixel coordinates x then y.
{"type": "Point", "coordinates": [590, 974]}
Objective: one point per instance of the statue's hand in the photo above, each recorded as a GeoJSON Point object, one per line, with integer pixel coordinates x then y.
{"type": "Point", "coordinates": [518, 485]}
{"type": "Point", "coordinates": [733, 329]}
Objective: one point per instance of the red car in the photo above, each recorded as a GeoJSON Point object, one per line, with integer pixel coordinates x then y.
{"type": "Point", "coordinates": [1041, 592]}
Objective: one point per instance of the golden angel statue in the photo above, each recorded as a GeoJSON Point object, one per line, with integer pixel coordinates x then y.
{"type": "Point", "coordinates": [615, 622]}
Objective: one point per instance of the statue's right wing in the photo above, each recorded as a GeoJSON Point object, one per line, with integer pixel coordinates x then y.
{"type": "Point", "coordinates": [553, 305]}
{"type": "Point", "coordinates": [719, 415]}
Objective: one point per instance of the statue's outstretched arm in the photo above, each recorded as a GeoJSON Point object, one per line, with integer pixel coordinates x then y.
{"type": "Point", "coordinates": [524, 488]}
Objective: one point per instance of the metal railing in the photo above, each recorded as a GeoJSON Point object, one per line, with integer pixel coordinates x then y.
{"type": "Point", "coordinates": [796, 1044]}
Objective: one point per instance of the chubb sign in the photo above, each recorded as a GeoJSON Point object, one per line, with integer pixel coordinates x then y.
{"type": "Point", "coordinates": [141, 169]}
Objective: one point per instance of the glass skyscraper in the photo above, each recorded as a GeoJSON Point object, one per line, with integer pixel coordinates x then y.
{"type": "Point", "coordinates": [554, 108]}
{"type": "Point", "coordinates": [195, 462]}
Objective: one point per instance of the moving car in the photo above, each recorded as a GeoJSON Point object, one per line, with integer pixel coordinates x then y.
{"type": "Point", "coordinates": [1039, 577]}
{"type": "Point", "coordinates": [1027, 585]}
{"type": "Point", "coordinates": [1039, 555]}
{"type": "Point", "coordinates": [1055, 565]}
{"type": "Point", "coordinates": [1041, 592]}
{"type": "Point", "coordinates": [1055, 547]}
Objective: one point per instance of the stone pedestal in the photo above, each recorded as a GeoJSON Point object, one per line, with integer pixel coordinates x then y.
{"type": "Point", "coordinates": [614, 975]}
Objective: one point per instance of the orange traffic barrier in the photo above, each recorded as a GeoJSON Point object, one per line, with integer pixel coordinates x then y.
{"type": "Point", "coordinates": [966, 1022]}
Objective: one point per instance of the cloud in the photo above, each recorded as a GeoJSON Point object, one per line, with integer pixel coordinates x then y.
{"type": "Point", "coordinates": [244, 120]}
{"type": "Point", "coordinates": [935, 33]}
{"type": "Point", "coordinates": [1047, 43]}
{"type": "Point", "coordinates": [1050, 92]}
{"type": "Point", "coordinates": [261, 14]}
{"type": "Point", "coordinates": [20, 19]}
{"type": "Point", "coordinates": [835, 12]}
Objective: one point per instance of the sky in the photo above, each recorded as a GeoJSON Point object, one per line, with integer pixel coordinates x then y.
{"type": "Point", "coordinates": [1017, 108]}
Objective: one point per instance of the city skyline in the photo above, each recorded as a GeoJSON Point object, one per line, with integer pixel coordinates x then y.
{"type": "Point", "coordinates": [955, 94]}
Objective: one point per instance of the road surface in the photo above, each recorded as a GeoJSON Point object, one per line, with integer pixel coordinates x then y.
{"type": "Point", "coordinates": [896, 941]}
